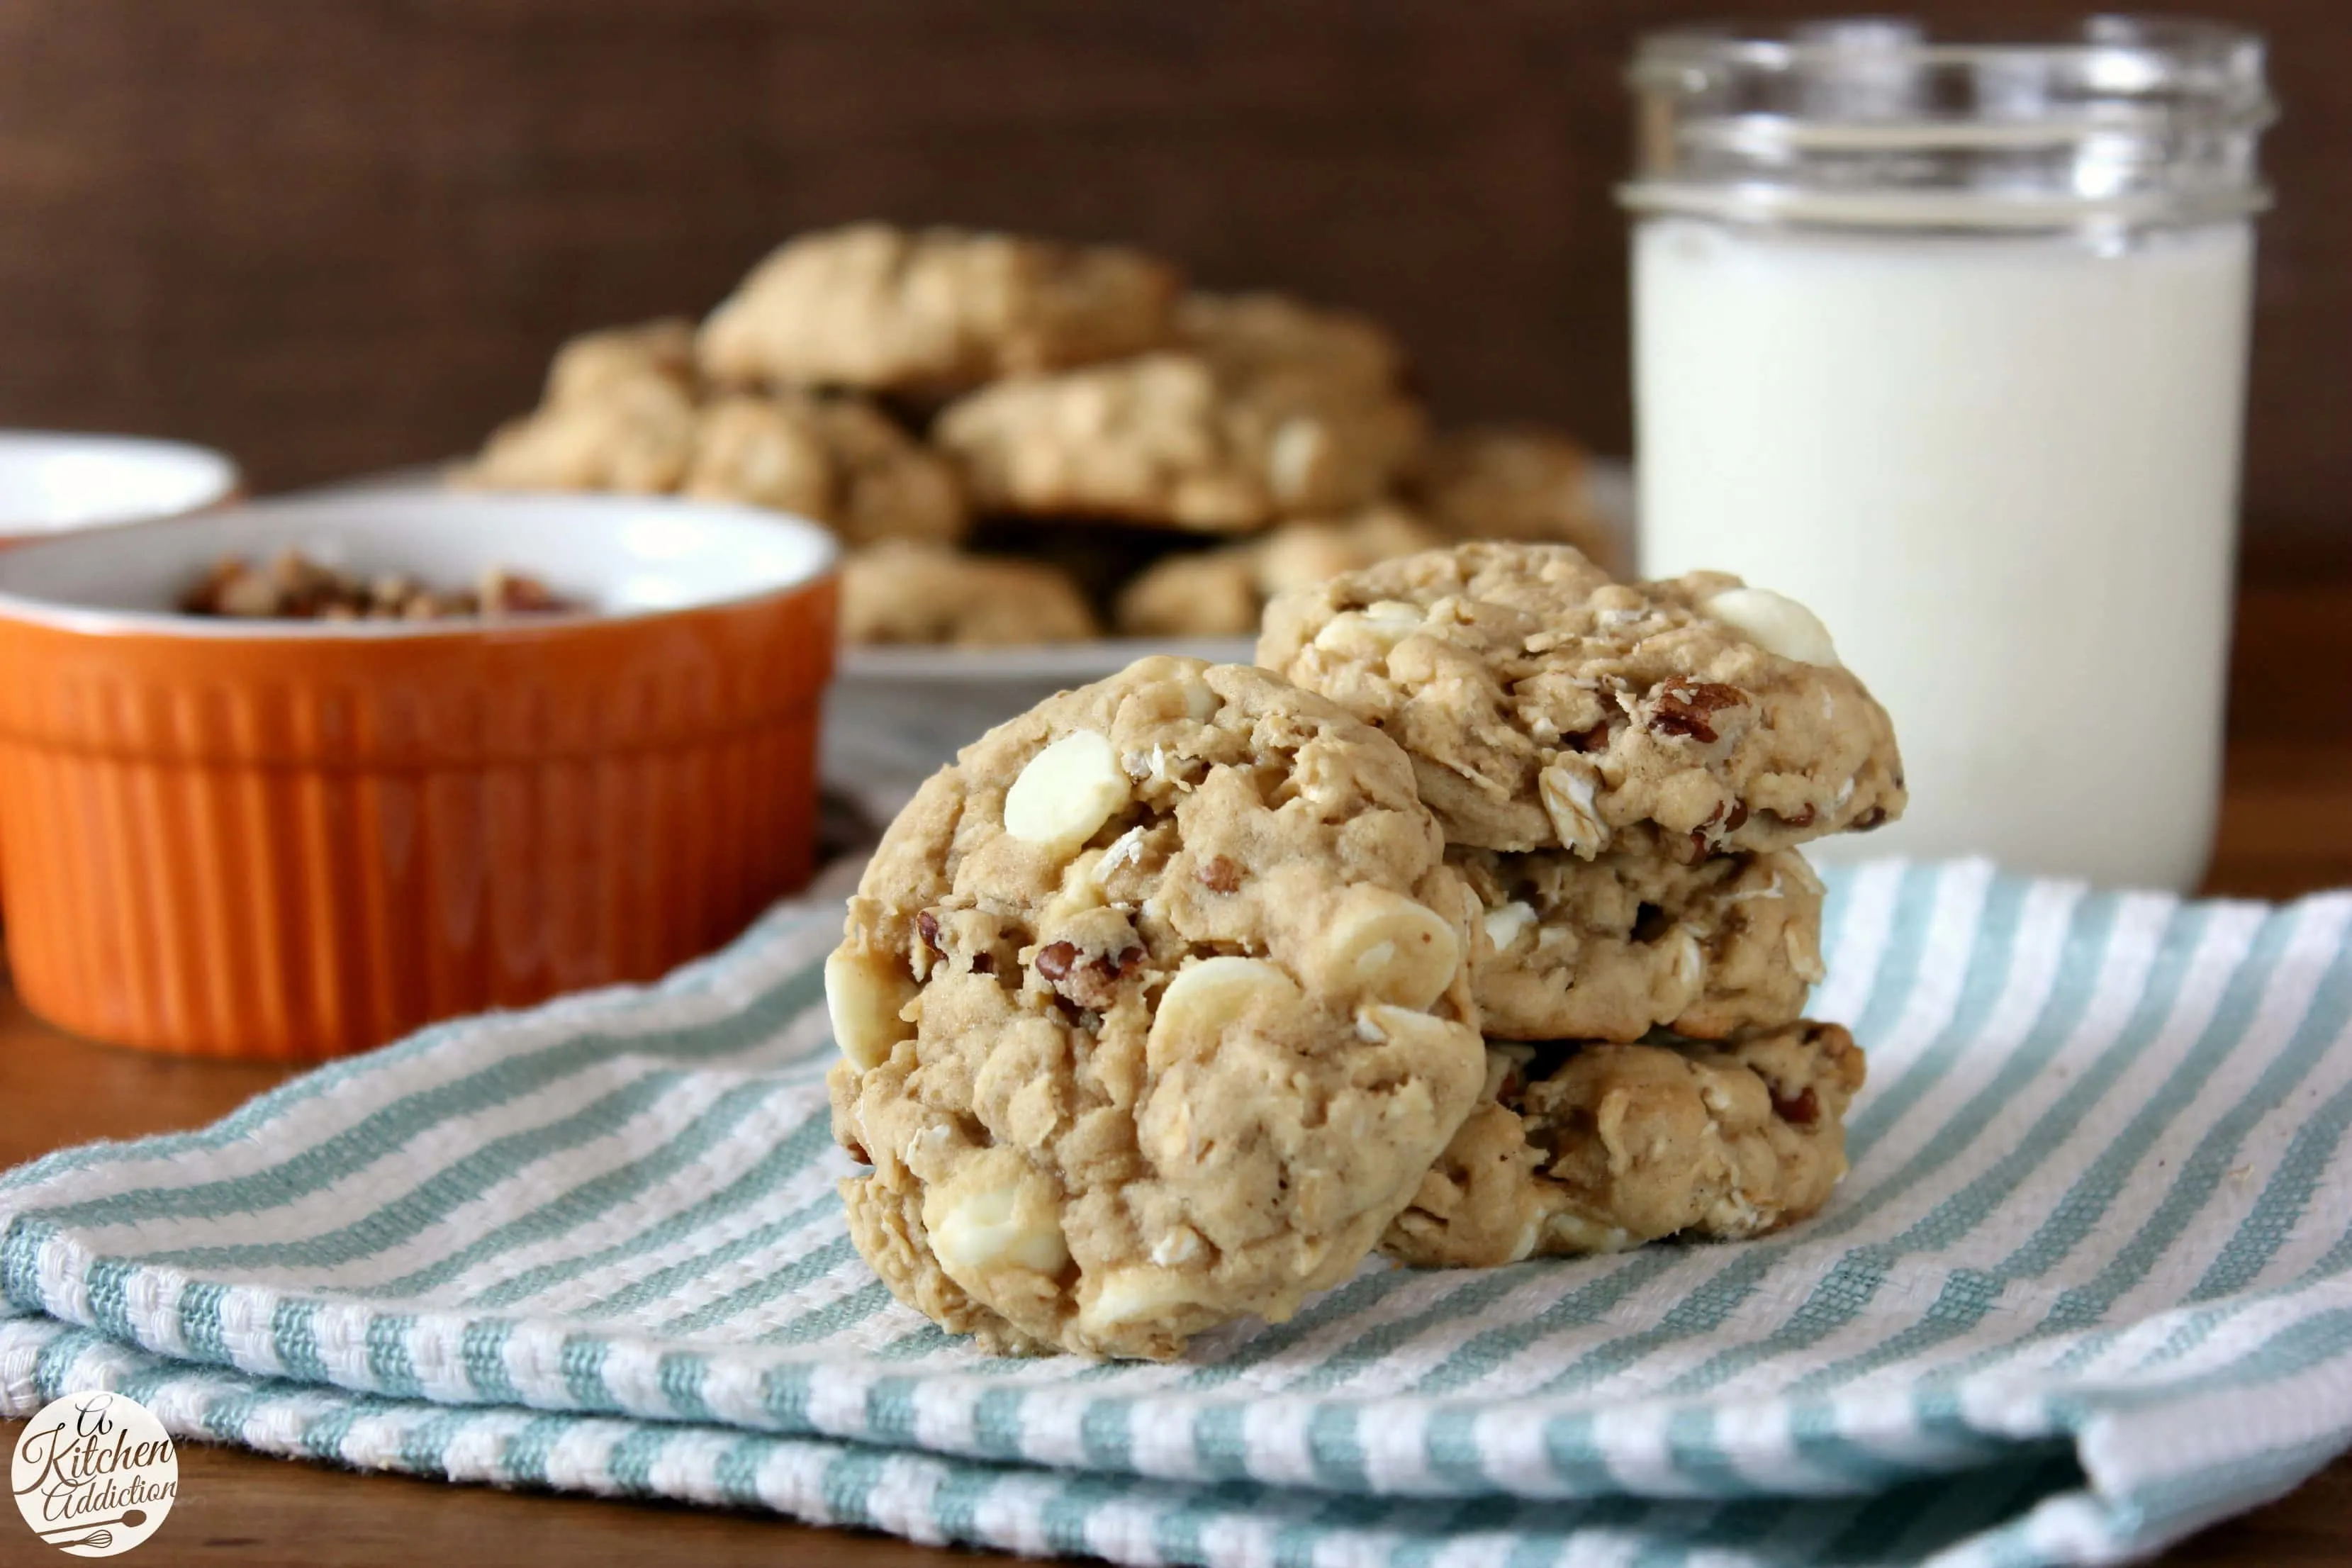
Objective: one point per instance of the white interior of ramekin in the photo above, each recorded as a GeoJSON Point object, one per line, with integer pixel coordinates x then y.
{"type": "Point", "coordinates": [52, 481]}
{"type": "Point", "coordinates": [618, 555]}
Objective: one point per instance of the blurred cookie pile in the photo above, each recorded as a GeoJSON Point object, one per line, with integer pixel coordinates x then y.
{"type": "Point", "coordinates": [1469, 927]}
{"type": "Point", "coordinates": [1024, 441]}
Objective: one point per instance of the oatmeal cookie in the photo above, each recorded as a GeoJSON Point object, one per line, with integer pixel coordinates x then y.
{"type": "Point", "coordinates": [1265, 337]}
{"type": "Point", "coordinates": [1212, 594]}
{"type": "Point", "coordinates": [1312, 551]}
{"type": "Point", "coordinates": [1597, 1148]}
{"type": "Point", "coordinates": [934, 312]}
{"type": "Point", "coordinates": [906, 591]}
{"type": "Point", "coordinates": [1611, 948]}
{"type": "Point", "coordinates": [835, 459]}
{"type": "Point", "coordinates": [1513, 484]}
{"type": "Point", "coordinates": [633, 433]}
{"type": "Point", "coordinates": [1546, 705]}
{"type": "Point", "coordinates": [1154, 1009]}
{"type": "Point", "coordinates": [593, 363]}
{"type": "Point", "coordinates": [1169, 440]}
{"type": "Point", "coordinates": [1222, 591]}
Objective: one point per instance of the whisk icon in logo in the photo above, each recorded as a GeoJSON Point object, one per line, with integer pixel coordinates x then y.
{"type": "Point", "coordinates": [95, 1474]}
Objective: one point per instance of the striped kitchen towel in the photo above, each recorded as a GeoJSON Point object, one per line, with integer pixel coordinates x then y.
{"type": "Point", "coordinates": [2089, 1286]}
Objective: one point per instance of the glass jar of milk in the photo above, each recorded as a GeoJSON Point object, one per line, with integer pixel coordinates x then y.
{"type": "Point", "coordinates": [1949, 342]}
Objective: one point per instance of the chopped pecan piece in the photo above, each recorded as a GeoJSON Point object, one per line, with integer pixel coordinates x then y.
{"type": "Point", "coordinates": [1091, 983]}
{"type": "Point", "coordinates": [926, 926]}
{"type": "Point", "coordinates": [1684, 706]}
{"type": "Point", "coordinates": [1803, 1111]}
{"type": "Point", "coordinates": [1219, 875]}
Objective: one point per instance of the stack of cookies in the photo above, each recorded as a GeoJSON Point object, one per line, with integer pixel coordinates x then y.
{"type": "Point", "coordinates": [1018, 439]}
{"type": "Point", "coordinates": [1470, 928]}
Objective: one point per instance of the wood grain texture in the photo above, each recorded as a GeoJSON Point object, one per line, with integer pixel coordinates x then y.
{"type": "Point", "coordinates": [2287, 828]}
{"type": "Point", "coordinates": [336, 238]}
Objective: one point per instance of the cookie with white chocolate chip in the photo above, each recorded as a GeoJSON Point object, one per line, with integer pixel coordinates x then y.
{"type": "Point", "coordinates": [1169, 440]}
{"type": "Point", "coordinates": [1154, 1010]}
{"type": "Point", "coordinates": [1611, 948]}
{"type": "Point", "coordinates": [932, 311]}
{"type": "Point", "coordinates": [1597, 1148]}
{"type": "Point", "coordinates": [1547, 705]}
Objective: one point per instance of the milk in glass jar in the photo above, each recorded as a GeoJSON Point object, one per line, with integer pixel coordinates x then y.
{"type": "Point", "coordinates": [1948, 339]}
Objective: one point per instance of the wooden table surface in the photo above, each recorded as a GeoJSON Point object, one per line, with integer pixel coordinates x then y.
{"type": "Point", "coordinates": [2287, 829]}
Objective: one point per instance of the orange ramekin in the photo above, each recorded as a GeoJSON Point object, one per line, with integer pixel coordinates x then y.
{"type": "Point", "coordinates": [298, 840]}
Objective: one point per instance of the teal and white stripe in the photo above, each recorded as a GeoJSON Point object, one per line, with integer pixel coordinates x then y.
{"type": "Point", "coordinates": [2089, 1286]}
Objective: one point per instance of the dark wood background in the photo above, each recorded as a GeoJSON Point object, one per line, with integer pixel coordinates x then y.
{"type": "Point", "coordinates": [335, 235]}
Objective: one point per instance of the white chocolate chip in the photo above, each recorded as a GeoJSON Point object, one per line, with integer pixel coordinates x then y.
{"type": "Point", "coordinates": [1378, 628]}
{"type": "Point", "coordinates": [1505, 924]}
{"type": "Point", "coordinates": [1205, 997]}
{"type": "Point", "coordinates": [1420, 1032]}
{"type": "Point", "coordinates": [1569, 787]}
{"type": "Point", "coordinates": [1775, 622]}
{"type": "Point", "coordinates": [997, 1212]}
{"type": "Point", "coordinates": [1178, 1247]}
{"type": "Point", "coordinates": [1576, 1234]}
{"type": "Point", "coordinates": [1300, 449]}
{"type": "Point", "coordinates": [1804, 957]}
{"type": "Point", "coordinates": [1690, 960]}
{"type": "Point", "coordinates": [1067, 790]}
{"type": "Point", "coordinates": [1201, 703]}
{"type": "Point", "coordinates": [1135, 1294]}
{"type": "Point", "coordinates": [864, 995]}
{"type": "Point", "coordinates": [1716, 1095]}
{"type": "Point", "coordinates": [1383, 945]}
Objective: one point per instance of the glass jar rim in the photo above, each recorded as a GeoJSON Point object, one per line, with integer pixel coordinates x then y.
{"type": "Point", "coordinates": [1881, 121]}
{"type": "Point", "coordinates": [2105, 34]}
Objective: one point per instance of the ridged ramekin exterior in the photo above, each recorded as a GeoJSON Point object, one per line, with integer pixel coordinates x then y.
{"type": "Point", "coordinates": [299, 848]}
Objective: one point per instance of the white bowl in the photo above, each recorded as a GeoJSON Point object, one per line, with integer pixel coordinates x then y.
{"type": "Point", "coordinates": [51, 482]}
{"type": "Point", "coordinates": [617, 555]}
